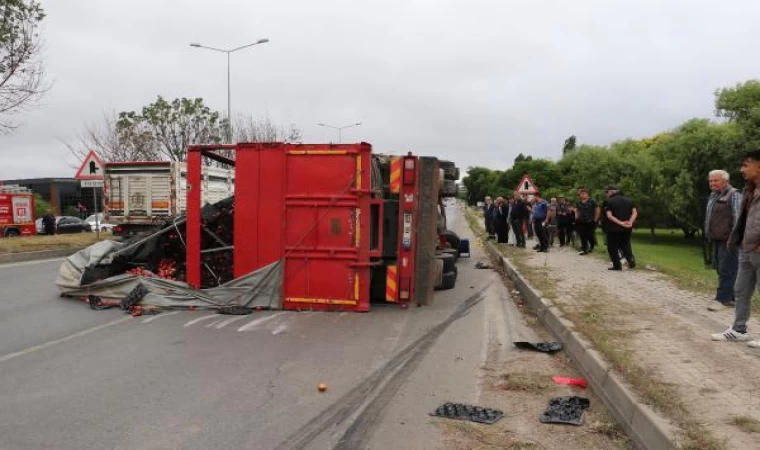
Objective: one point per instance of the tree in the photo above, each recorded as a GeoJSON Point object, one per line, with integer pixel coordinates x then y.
{"type": "Point", "coordinates": [41, 207]}
{"type": "Point", "coordinates": [21, 71]}
{"type": "Point", "coordinates": [174, 125]}
{"type": "Point", "coordinates": [113, 143]}
{"type": "Point", "coordinates": [519, 158]}
{"type": "Point", "coordinates": [569, 145]}
{"type": "Point", "coordinates": [248, 129]}
{"type": "Point", "coordinates": [741, 104]}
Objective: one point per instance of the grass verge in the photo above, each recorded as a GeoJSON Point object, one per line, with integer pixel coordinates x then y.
{"type": "Point", "coordinates": [467, 433]}
{"type": "Point", "coordinates": [746, 424]}
{"type": "Point", "coordinates": [41, 242]}
{"type": "Point", "coordinates": [606, 329]}
{"type": "Point", "coordinates": [530, 382]}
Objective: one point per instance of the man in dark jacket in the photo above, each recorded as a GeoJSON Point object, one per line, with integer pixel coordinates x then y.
{"type": "Point", "coordinates": [565, 219]}
{"type": "Point", "coordinates": [501, 227]}
{"type": "Point", "coordinates": [723, 211]}
{"type": "Point", "coordinates": [746, 237]}
{"type": "Point", "coordinates": [540, 211]}
{"type": "Point", "coordinates": [48, 223]}
{"type": "Point", "coordinates": [518, 216]}
{"type": "Point", "coordinates": [488, 211]}
{"type": "Point", "coordinates": [586, 217]}
{"type": "Point", "coordinates": [620, 214]}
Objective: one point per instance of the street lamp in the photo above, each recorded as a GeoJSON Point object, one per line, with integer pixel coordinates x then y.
{"type": "Point", "coordinates": [340, 129]}
{"type": "Point", "coordinates": [229, 97]}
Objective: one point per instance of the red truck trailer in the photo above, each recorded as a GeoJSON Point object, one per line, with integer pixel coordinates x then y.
{"type": "Point", "coordinates": [16, 212]}
{"type": "Point", "coordinates": [347, 226]}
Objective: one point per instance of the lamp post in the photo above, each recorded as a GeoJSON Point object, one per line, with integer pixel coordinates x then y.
{"type": "Point", "coordinates": [229, 95]}
{"type": "Point", "coordinates": [340, 129]}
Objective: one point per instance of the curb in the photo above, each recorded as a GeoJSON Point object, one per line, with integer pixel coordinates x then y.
{"type": "Point", "coordinates": [641, 423]}
{"type": "Point", "coordinates": [10, 258]}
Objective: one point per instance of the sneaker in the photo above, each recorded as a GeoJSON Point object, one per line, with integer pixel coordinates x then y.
{"type": "Point", "coordinates": [583, 253]}
{"type": "Point", "coordinates": [717, 306]}
{"type": "Point", "coordinates": [730, 335]}
{"type": "Point", "coordinates": [754, 344]}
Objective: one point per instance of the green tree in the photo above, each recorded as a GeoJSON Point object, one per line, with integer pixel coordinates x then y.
{"type": "Point", "coordinates": [174, 125]}
{"type": "Point", "coordinates": [21, 71]}
{"type": "Point", "coordinates": [741, 104]}
{"type": "Point", "coordinates": [569, 145]}
{"type": "Point", "coordinates": [41, 207]}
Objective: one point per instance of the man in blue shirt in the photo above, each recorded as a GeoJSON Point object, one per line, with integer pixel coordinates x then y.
{"type": "Point", "coordinates": [540, 216]}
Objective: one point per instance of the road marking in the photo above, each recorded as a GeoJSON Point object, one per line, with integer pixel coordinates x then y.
{"type": "Point", "coordinates": [254, 323]}
{"type": "Point", "coordinates": [229, 321]}
{"type": "Point", "coordinates": [158, 316]}
{"type": "Point", "coordinates": [62, 340]}
{"type": "Point", "coordinates": [194, 321]}
{"type": "Point", "coordinates": [31, 263]}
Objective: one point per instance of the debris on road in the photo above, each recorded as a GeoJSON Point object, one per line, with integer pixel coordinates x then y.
{"type": "Point", "coordinates": [579, 382]}
{"type": "Point", "coordinates": [322, 387]}
{"type": "Point", "coordinates": [235, 310]}
{"type": "Point", "coordinates": [565, 410]}
{"type": "Point", "coordinates": [481, 265]}
{"type": "Point", "coordinates": [459, 411]}
{"type": "Point", "coordinates": [544, 347]}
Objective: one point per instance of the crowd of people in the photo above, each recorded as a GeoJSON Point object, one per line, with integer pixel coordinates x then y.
{"type": "Point", "coordinates": [508, 221]}
{"type": "Point", "coordinates": [732, 227]}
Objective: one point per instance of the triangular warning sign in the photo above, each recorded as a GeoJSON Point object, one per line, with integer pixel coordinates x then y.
{"type": "Point", "coordinates": [92, 168]}
{"type": "Point", "coordinates": [527, 186]}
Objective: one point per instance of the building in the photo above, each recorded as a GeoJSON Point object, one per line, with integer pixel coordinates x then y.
{"type": "Point", "coordinates": [64, 194]}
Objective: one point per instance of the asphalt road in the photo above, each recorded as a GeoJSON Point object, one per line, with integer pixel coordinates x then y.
{"type": "Point", "coordinates": [73, 378]}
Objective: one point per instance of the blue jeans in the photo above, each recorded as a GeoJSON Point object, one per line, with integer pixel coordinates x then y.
{"type": "Point", "coordinates": [746, 280]}
{"type": "Point", "coordinates": [726, 262]}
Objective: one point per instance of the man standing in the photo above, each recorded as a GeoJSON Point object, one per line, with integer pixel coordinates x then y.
{"type": "Point", "coordinates": [565, 219]}
{"type": "Point", "coordinates": [551, 227]}
{"type": "Point", "coordinates": [540, 211]}
{"type": "Point", "coordinates": [586, 217]}
{"type": "Point", "coordinates": [488, 215]}
{"type": "Point", "coordinates": [723, 210]}
{"type": "Point", "coordinates": [518, 214]}
{"type": "Point", "coordinates": [621, 215]}
{"type": "Point", "coordinates": [500, 225]}
{"type": "Point", "coordinates": [48, 223]}
{"type": "Point", "coordinates": [746, 236]}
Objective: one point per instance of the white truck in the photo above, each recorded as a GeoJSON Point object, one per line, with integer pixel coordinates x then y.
{"type": "Point", "coordinates": [138, 195]}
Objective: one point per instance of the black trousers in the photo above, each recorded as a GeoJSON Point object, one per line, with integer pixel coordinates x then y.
{"type": "Point", "coordinates": [586, 232]}
{"type": "Point", "coordinates": [517, 228]}
{"type": "Point", "coordinates": [565, 233]}
{"type": "Point", "coordinates": [541, 234]}
{"type": "Point", "coordinates": [617, 243]}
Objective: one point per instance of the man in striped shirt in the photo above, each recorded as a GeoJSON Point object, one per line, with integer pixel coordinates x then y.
{"type": "Point", "coordinates": [723, 210]}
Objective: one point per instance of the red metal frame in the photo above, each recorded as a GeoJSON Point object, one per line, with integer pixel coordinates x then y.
{"type": "Point", "coordinates": [407, 244]}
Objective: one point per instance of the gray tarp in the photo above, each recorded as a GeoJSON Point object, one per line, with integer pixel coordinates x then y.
{"type": "Point", "coordinates": [261, 288]}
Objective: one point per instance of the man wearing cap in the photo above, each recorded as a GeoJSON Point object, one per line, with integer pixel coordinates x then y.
{"type": "Point", "coordinates": [620, 214]}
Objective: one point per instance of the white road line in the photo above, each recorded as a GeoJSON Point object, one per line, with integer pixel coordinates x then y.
{"type": "Point", "coordinates": [31, 263]}
{"type": "Point", "coordinates": [214, 322]}
{"type": "Point", "coordinates": [194, 321]}
{"type": "Point", "coordinates": [158, 316]}
{"type": "Point", "coordinates": [255, 323]}
{"type": "Point", "coordinates": [229, 321]}
{"type": "Point", "coordinates": [62, 340]}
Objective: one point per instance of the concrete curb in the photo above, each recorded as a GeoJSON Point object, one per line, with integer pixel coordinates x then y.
{"type": "Point", "coordinates": [641, 423]}
{"type": "Point", "coordinates": [10, 258]}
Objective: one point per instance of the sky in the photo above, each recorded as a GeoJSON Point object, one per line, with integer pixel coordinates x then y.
{"type": "Point", "coordinates": [475, 81]}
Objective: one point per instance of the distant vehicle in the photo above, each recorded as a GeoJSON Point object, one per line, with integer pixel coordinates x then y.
{"type": "Point", "coordinates": [70, 224]}
{"type": "Point", "coordinates": [138, 195]}
{"type": "Point", "coordinates": [100, 224]}
{"type": "Point", "coordinates": [16, 211]}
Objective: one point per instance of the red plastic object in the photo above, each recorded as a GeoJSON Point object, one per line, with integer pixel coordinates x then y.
{"type": "Point", "coordinates": [580, 382]}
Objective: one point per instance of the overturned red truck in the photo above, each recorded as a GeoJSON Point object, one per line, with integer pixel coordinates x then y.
{"type": "Point", "coordinates": [312, 227]}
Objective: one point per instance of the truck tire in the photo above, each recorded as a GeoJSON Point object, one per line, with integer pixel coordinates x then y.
{"type": "Point", "coordinates": [12, 233]}
{"type": "Point", "coordinates": [451, 251]}
{"type": "Point", "coordinates": [449, 189]}
{"type": "Point", "coordinates": [450, 170]}
{"type": "Point", "coordinates": [438, 273]}
{"type": "Point", "coordinates": [448, 282]}
{"type": "Point", "coordinates": [451, 238]}
{"type": "Point", "coordinates": [449, 262]}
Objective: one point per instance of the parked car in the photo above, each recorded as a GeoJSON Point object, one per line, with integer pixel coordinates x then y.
{"type": "Point", "coordinates": [69, 224]}
{"type": "Point", "coordinates": [101, 225]}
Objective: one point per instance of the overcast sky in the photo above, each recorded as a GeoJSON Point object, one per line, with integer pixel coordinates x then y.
{"type": "Point", "coordinates": [475, 81]}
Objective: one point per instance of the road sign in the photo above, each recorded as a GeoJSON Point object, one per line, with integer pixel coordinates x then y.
{"type": "Point", "coordinates": [91, 183]}
{"type": "Point", "coordinates": [92, 168]}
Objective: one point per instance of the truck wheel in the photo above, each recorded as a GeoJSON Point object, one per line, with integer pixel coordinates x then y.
{"type": "Point", "coordinates": [450, 171]}
{"type": "Point", "coordinates": [438, 273]}
{"type": "Point", "coordinates": [12, 233]}
{"type": "Point", "coordinates": [449, 262]}
{"type": "Point", "coordinates": [451, 238]}
{"type": "Point", "coordinates": [451, 251]}
{"type": "Point", "coordinates": [449, 189]}
{"type": "Point", "coordinates": [448, 282]}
